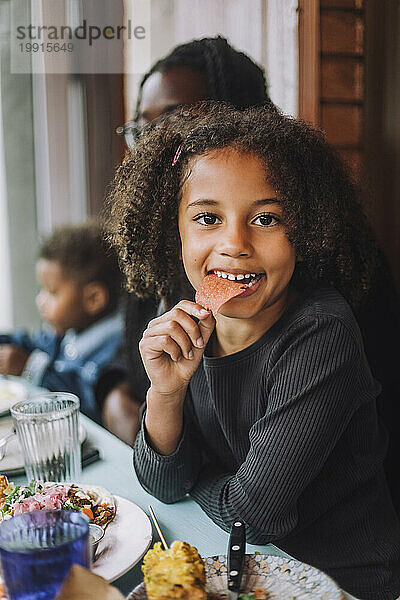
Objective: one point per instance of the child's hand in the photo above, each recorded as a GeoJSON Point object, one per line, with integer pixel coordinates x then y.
{"type": "Point", "coordinates": [173, 344]}
{"type": "Point", "coordinates": [12, 359]}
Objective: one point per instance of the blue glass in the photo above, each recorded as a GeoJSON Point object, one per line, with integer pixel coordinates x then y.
{"type": "Point", "coordinates": [37, 550]}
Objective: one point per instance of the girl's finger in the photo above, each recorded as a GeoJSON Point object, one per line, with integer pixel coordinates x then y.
{"type": "Point", "coordinates": [175, 331]}
{"type": "Point", "coordinates": [154, 347]}
{"type": "Point", "coordinates": [183, 313]}
{"type": "Point", "coordinates": [191, 308]}
{"type": "Point", "coordinates": [190, 326]}
{"type": "Point", "coordinates": [206, 325]}
{"type": "Point", "coordinates": [206, 321]}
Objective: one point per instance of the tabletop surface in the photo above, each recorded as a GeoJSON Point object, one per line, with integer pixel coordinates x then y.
{"type": "Point", "coordinates": [183, 521]}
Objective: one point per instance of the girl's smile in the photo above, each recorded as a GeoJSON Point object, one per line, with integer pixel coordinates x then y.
{"type": "Point", "coordinates": [231, 224]}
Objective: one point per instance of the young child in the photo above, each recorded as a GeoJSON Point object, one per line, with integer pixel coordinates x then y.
{"type": "Point", "coordinates": [78, 300]}
{"type": "Point", "coordinates": [267, 410]}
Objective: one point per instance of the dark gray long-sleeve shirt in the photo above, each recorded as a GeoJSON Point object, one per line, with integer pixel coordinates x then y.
{"type": "Point", "coordinates": [284, 434]}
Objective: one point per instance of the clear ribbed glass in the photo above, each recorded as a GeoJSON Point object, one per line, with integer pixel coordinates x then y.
{"type": "Point", "coordinates": [47, 429]}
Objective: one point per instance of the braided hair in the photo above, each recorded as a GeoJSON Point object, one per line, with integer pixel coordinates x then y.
{"type": "Point", "coordinates": [230, 75]}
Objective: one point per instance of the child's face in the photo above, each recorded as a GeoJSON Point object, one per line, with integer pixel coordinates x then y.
{"type": "Point", "coordinates": [60, 300]}
{"type": "Point", "coordinates": [230, 221]}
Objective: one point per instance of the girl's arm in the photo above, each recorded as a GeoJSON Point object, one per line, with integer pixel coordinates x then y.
{"type": "Point", "coordinates": [171, 348]}
{"type": "Point", "coordinates": [169, 478]}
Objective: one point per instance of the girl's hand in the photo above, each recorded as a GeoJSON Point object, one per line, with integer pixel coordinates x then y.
{"type": "Point", "coordinates": [173, 344]}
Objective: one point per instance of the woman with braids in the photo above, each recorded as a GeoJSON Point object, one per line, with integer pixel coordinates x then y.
{"type": "Point", "coordinates": [201, 69]}
{"type": "Point", "coordinates": [266, 410]}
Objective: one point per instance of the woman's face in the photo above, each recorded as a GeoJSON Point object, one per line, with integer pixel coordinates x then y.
{"type": "Point", "coordinates": [231, 223]}
{"type": "Point", "coordinates": [163, 92]}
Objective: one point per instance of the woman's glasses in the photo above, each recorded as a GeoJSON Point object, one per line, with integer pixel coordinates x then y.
{"type": "Point", "coordinates": [131, 132]}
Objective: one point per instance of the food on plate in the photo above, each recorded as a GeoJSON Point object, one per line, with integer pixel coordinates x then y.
{"type": "Point", "coordinates": [94, 501]}
{"type": "Point", "coordinates": [258, 594]}
{"type": "Point", "coordinates": [180, 573]}
{"type": "Point", "coordinates": [4, 488]}
{"type": "Point", "coordinates": [216, 291]}
{"type": "Point", "coordinates": [174, 573]}
{"type": "Point", "coordinates": [10, 392]}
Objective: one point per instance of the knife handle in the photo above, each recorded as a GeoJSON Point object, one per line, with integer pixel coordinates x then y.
{"type": "Point", "coordinates": [236, 554]}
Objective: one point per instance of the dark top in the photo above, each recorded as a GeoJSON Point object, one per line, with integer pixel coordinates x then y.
{"type": "Point", "coordinates": [379, 320]}
{"type": "Point", "coordinates": [285, 435]}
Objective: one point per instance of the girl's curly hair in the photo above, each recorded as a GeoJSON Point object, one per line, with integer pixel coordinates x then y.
{"type": "Point", "coordinates": [324, 218]}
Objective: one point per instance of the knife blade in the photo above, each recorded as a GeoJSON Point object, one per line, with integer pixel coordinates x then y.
{"type": "Point", "coordinates": [236, 554]}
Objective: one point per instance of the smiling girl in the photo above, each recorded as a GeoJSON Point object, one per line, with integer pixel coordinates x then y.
{"type": "Point", "coordinates": [267, 411]}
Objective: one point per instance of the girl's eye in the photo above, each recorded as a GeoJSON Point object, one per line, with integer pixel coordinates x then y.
{"type": "Point", "coordinates": [266, 220]}
{"type": "Point", "coordinates": [206, 219]}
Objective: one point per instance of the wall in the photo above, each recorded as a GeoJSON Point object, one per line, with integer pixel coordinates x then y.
{"type": "Point", "coordinates": [342, 50]}
{"type": "Point", "coordinates": [350, 87]}
{"type": "Point", "coordinates": [18, 190]}
{"type": "Point", "coordinates": [264, 29]}
{"type": "Point", "coordinates": [381, 174]}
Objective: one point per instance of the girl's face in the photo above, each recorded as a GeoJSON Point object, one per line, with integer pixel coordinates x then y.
{"type": "Point", "coordinates": [230, 222]}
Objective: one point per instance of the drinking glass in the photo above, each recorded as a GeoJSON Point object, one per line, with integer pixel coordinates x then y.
{"type": "Point", "coordinates": [37, 550]}
{"type": "Point", "coordinates": [48, 432]}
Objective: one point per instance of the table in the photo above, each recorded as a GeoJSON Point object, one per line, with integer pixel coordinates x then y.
{"type": "Point", "coordinates": [184, 520]}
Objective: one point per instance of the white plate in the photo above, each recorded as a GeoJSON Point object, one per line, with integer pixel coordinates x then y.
{"type": "Point", "coordinates": [10, 393]}
{"type": "Point", "coordinates": [283, 578]}
{"type": "Point", "coordinates": [13, 460]}
{"type": "Point", "coordinates": [126, 540]}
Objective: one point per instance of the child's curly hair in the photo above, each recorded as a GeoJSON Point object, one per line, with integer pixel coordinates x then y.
{"type": "Point", "coordinates": [85, 256]}
{"type": "Point", "coordinates": [324, 219]}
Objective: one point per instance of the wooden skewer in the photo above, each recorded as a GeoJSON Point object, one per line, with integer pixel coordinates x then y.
{"type": "Point", "coordinates": [162, 538]}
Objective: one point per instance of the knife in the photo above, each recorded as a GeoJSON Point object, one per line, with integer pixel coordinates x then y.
{"type": "Point", "coordinates": [236, 554]}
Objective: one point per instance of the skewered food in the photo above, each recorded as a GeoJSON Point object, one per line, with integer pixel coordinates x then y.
{"type": "Point", "coordinates": [174, 573]}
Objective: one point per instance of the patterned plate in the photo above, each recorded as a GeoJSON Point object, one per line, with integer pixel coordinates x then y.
{"type": "Point", "coordinates": [283, 578]}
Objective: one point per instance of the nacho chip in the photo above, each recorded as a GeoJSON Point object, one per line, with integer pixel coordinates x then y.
{"type": "Point", "coordinates": [216, 291]}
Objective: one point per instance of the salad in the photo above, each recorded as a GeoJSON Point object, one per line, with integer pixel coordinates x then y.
{"type": "Point", "coordinates": [93, 501]}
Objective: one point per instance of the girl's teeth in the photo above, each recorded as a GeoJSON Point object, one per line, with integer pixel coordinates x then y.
{"type": "Point", "coordinates": [239, 277]}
